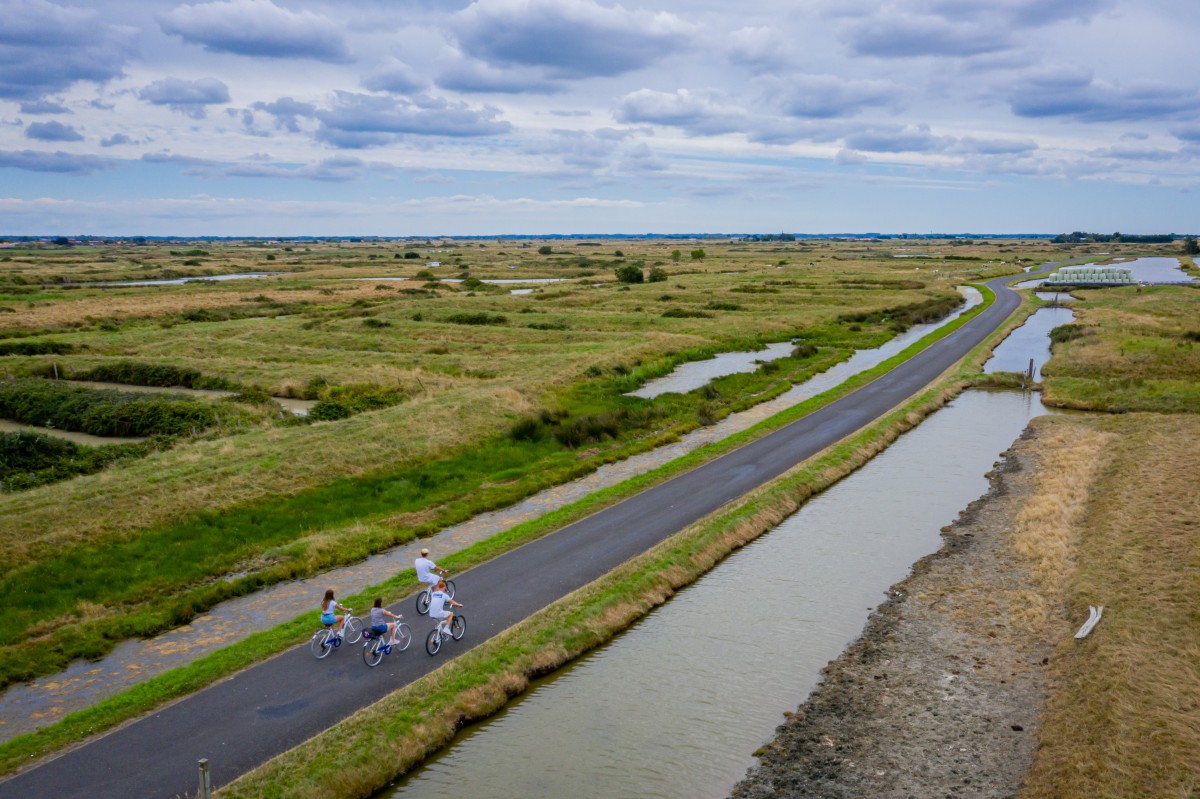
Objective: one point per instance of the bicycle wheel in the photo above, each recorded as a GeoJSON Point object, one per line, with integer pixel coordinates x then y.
{"type": "Point", "coordinates": [433, 642]}
{"type": "Point", "coordinates": [423, 602]}
{"type": "Point", "coordinates": [458, 628]}
{"type": "Point", "coordinates": [354, 630]}
{"type": "Point", "coordinates": [320, 643]}
{"type": "Point", "coordinates": [373, 652]}
{"type": "Point", "coordinates": [450, 588]}
{"type": "Point", "coordinates": [403, 636]}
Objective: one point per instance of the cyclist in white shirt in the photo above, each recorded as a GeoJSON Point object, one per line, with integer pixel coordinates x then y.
{"type": "Point", "coordinates": [437, 605]}
{"type": "Point", "coordinates": [426, 568]}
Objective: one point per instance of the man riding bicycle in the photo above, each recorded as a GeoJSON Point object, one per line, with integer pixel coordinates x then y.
{"type": "Point", "coordinates": [425, 570]}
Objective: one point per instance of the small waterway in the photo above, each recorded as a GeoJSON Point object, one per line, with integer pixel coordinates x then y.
{"type": "Point", "coordinates": [695, 374]}
{"type": "Point", "coordinates": [28, 706]}
{"type": "Point", "coordinates": [297, 407]}
{"type": "Point", "coordinates": [176, 281]}
{"type": "Point", "coordinates": [1029, 342]}
{"type": "Point", "coordinates": [676, 705]}
{"type": "Point", "coordinates": [9, 426]}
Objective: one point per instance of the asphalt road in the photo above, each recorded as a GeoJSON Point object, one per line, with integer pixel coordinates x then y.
{"type": "Point", "coordinates": [245, 720]}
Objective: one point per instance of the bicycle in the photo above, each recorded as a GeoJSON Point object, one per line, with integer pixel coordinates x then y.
{"type": "Point", "coordinates": [376, 646]}
{"type": "Point", "coordinates": [423, 598]}
{"type": "Point", "coordinates": [458, 628]}
{"type": "Point", "coordinates": [325, 640]}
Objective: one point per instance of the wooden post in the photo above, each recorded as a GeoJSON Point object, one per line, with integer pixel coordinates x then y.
{"type": "Point", "coordinates": [205, 780]}
{"type": "Point", "coordinates": [1030, 373]}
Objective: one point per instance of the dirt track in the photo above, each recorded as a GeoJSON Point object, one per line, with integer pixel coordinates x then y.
{"type": "Point", "coordinates": [940, 697]}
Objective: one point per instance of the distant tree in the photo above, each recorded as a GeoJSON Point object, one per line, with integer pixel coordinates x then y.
{"type": "Point", "coordinates": [629, 273]}
{"type": "Point", "coordinates": [697, 255]}
{"type": "Point", "coordinates": [411, 254]}
{"type": "Point", "coordinates": [657, 275]}
{"type": "Point", "coordinates": [676, 255]}
{"type": "Point", "coordinates": [545, 249]}
{"type": "Point", "coordinates": [1190, 247]}
{"type": "Point", "coordinates": [618, 254]}
{"type": "Point", "coordinates": [62, 241]}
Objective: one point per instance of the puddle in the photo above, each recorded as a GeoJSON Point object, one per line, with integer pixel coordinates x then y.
{"type": "Point", "coordinates": [695, 374]}
{"type": "Point", "coordinates": [1030, 341]}
{"type": "Point", "coordinates": [31, 705]}
{"type": "Point", "coordinates": [676, 705]}
{"type": "Point", "coordinates": [8, 426]}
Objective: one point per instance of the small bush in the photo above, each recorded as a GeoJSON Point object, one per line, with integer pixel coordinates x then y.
{"type": "Point", "coordinates": [29, 459]}
{"type": "Point", "coordinates": [479, 318]}
{"type": "Point", "coordinates": [376, 323]}
{"type": "Point", "coordinates": [804, 350]}
{"type": "Point", "coordinates": [723, 306]}
{"type": "Point", "coordinates": [340, 402]}
{"type": "Point", "coordinates": [35, 348]}
{"type": "Point", "coordinates": [629, 273]}
{"type": "Point", "coordinates": [1065, 333]}
{"type": "Point", "coordinates": [545, 249]}
{"type": "Point", "coordinates": [685, 313]}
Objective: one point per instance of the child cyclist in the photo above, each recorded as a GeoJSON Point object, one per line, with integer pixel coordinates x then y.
{"type": "Point", "coordinates": [379, 621]}
{"type": "Point", "coordinates": [329, 612]}
{"type": "Point", "coordinates": [437, 605]}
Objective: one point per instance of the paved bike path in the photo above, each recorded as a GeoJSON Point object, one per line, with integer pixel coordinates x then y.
{"type": "Point", "coordinates": [240, 722]}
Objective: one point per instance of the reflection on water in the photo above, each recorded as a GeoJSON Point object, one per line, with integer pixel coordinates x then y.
{"type": "Point", "coordinates": [675, 706]}
{"type": "Point", "coordinates": [1030, 341]}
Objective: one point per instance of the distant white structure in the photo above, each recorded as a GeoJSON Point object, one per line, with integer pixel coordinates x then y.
{"type": "Point", "coordinates": [1090, 274]}
{"type": "Point", "coordinates": [433, 263]}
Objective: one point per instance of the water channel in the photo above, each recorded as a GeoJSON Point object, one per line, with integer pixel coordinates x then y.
{"type": "Point", "coordinates": [28, 706]}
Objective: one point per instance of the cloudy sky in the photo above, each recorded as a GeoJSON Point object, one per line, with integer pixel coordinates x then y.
{"type": "Point", "coordinates": [423, 117]}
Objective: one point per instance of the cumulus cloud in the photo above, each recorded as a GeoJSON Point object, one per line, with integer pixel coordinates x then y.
{"type": "Point", "coordinates": [893, 34]}
{"type": "Point", "coordinates": [1075, 93]}
{"type": "Point", "coordinates": [363, 120]}
{"type": "Point", "coordinates": [468, 75]}
{"type": "Point", "coordinates": [52, 131]}
{"type": "Point", "coordinates": [43, 106]}
{"type": "Point", "coordinates": [896, 139]}
{"type": "Point", "coordinates": [287, 112]}
{"type": "Point", "coordinates": [827, 96]}
{"type": "Point", "coordinates": [115, 139]}
{"type": "Point", "coordinates": [396, 77]}
{"type": "Point", "coordinates": [47, 48]}
{"type": "Point", "coordinates": [189, 97]}
{"type": "Point", "coordinates": [682, 109]}
{"type": "Point", "coordinates": [58, 161]}
{"type": "Point", "coordinates": [568, 38]}
{"type": "Point", "coordinates": [257, 28]}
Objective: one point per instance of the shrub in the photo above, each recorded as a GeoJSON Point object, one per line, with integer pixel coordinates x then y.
{"type": "Point", "coordinates": [478, 318]}
{"type": "Point", "coordinates": [1065, 333]}
{"type": "Point", "coordinates": [657, 275]}
{"type": "Point", "coordinates": [411, 255]}
{"type": "Point", "coordinates": [804, 350]}
{"type": "Point", "coordinates": [101, 412]}
{"type": "Point", "coordinates": [35, 348]}
{"type": "Point", "coordinates": [339, 402]}
{"type": "Point", "coordinates": [685, 313]}
{"type": "Point", "coordinates": [723, 306]}
{"type": "Point", "coordinates": [545, 249]}
{"type": "Point", "coordinates": [373, 322]}
{"type": "Point", "coordinates": [629, 273]}
{"type": "Point", "coordinates": [137, 373]}
{"type": "Point", "coordinates": [29, 459]}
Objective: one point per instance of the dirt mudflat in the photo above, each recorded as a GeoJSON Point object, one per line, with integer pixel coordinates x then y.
{"type": "Point", "coordinates": [942, 694]}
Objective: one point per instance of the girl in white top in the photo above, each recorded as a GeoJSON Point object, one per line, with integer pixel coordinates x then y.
{"type": "Point", "coordinates": [437, 605]}
{"type": "Point", "coordinates": [329, 611]}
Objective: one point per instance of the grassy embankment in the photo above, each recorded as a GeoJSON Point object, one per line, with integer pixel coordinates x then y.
{"type": "Point", "coordinates": [1123, 717]}
{"type": "Point", "coordinates": [188, 679]}
{"type": "Point", "coordinates": [170, 526]}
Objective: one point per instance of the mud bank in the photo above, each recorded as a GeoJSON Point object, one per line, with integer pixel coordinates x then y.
{"type": "Point", "coordinates": [943, 693]}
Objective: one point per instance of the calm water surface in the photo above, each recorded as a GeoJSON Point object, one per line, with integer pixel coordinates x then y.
{"type": "Point", "coordinates": [675, 706]}
{"type": "Point", "coordinates": [1030, 341]}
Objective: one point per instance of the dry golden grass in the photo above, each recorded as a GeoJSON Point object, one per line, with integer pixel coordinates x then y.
{"type": "Point", "coordinates": [1123, 719]}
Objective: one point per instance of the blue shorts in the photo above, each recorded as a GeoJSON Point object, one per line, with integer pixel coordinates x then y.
{"type": "Point", "coordinates": [379, 629]}
{"type": "Point", "coordinates": [328, 618]}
